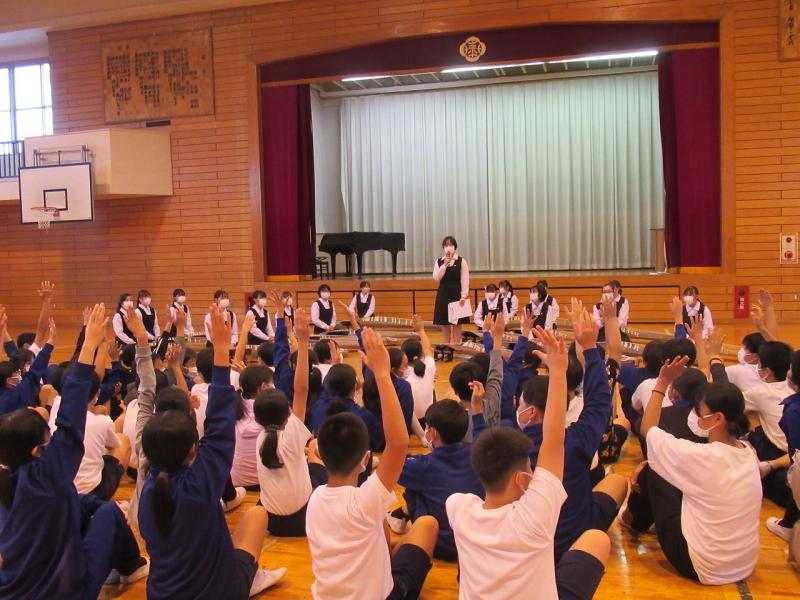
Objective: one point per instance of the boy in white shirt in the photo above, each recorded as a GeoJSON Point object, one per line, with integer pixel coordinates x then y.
{"type": "Point", "coordinates": [345, 524]}
{"type": "Point", "coordinates": [506, 542]}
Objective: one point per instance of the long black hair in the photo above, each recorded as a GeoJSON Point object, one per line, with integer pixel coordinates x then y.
{"type": "Point", "coordinates": [20, 432]}
{"type": "Point", "coordinates": [341, 385]}
{"type": "Point", "coordinates": [727, 399]}
{"type": "Point", "coordinates": [271, 410]}
{"type": "Point", "coordinates": [167, 440]}
{"type": "Point", "coordinates": [413, 349]}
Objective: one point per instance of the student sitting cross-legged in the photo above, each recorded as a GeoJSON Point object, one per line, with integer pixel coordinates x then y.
{"type": "Point", "coordinates": [55, 543]}
{"type": "Point", "coordinates": [350, 555]}
{"type": "Point", "coordinates": [507, 541]}
{"type": "Point", "coordinates": [180, 516]}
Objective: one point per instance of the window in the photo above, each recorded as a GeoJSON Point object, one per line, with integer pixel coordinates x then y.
{"type": "Point", "coordinates": [26, 102]}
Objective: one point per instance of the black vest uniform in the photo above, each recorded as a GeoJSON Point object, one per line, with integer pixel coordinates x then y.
{"type": "Point", "coordinates": [601, 337]}
{"type": "Point", "coordinates": [508, 303]}
{"type": "Point", "coordinates": [325, 315]}
{"type": "Point", "coordinates": [149, 321]}
{"type": "Point", "coordinates": [362, 308]}
{"type": "Point", "coordinates": [449, 291]}
{"type": "Point", "coordinates": [541, 319]}
{"type": "Point", "coordinates": [125, 329]}
{"type": "Point", "coordinates": [174, 329]}
{"type": "Point", "coordinates": [700, 313]}
{"type": "Point", "coordinates": [491, 311]}
{"type": "Point", "coordinates": [289, 316]}
{"type": "Point", "coordinates": [262, 323]}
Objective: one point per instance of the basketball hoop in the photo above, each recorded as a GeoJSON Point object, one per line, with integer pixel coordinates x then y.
{"type": "Point", "coordinates": [45, 215]}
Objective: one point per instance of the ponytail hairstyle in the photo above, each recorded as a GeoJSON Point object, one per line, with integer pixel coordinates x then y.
{"type": "Point", "coordinates": [413, 350]}
{"type": "Point", "coordinates": [727, 399]}
{"type": "Point", "coordinates": [341, 385]}
{"type": "Point", "coordinates": [20, 432]}
{"type": "Point", "coordinates": [271, 410]}
{"type": "Point", "coordinates": [167, 440]}
{"type": "Point", "coordinates": [505, 283]}
{"type": "Point", "coordinates": [370, 396]}
{"type": "Point", "coordinates": [690, 385]}
{"type": "Point", "coordinates": [396, 356]}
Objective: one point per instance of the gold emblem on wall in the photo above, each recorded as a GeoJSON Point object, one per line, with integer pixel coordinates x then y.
{"type": "Point", "coordinates": [473, 48]}
{"type": "Point", "coordinates": [789, 29]}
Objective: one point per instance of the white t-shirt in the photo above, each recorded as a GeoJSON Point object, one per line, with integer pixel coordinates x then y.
{"type": "Point", "coordinates": [641, 395]}
{"type": "Point", "coordinates": [285, 491]}
{"type": "Point", "coordinates": [54, 413]}
{"type": "Point", "coordinates": [323, 369]}
{"type": "Point", "coordinates": [509, 548]}
{"type": "Point", "coordinates": [129, 428]}
{"type": "Point", "coordinates": [349, 553]}
{"type": "Point", "coordinates": [243, 470]}
{"type": "Point", "coordinates": [743, 376]}
{"type": "Point", "coordinates": [201, 391]}
{"type": "Point", "coordinates": [422, 387]}
{"type": "Point", "coordinates": [721, 506]}
{"type": "Point", "coordinates": [99, 436]}
{"type": "Point", "coordinates": [765, 399]}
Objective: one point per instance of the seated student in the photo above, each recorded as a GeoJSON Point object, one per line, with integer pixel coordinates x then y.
{"type": "Point", "coordinates": [53, 542]}
{"type": "Point", "coordinates": [148, 315]}
{"type": "Point", "coordinates": [18, 390]}
{"type": "Point", "coordinates": [509, 298]}
{"type": "Point", "coordinates": [745, 374]}
{"type": "Point", "coordinates": [790, 424]}
{"type": "Point", "coordinates": [118, 322]}
{"type": "Point", "coordinates": [222, 300]}
{"type": "Point", "coordinates": [262, 329]}
{"type": "Point", "coordinates": [266, 353]}
{"type": "Point", "coordinates": [328, 354]}
{"type": "Point", "coordinates": [705, 499]}
{"type": "Point", "coordinates": [183, 489]}
{"type": "Point", "coordinates": [189, 365]}
{"type": "Point", "coordinates": [680, 418]}
{"type": "Point", "coordinates": [285, 475]}
{"type": "Point", "coordinates": [429, 479]}
{"type": "Point", "coordinates": [586, 507]}
{"type": "Point", "coordinates": [543, 307]}
{"type": "Point", "coordinates": [179, 304]}
{"type": "Point", "coordinates": [506, 542]}
{"type": "Point", "coordinates": [530, 366]}
{"type": "Point", "coordinates": [670, 350]}
{"type": "Point", "coordinates": [765, 400]}
{"type": "Point", "coordinates": [612, 290]}
{"type": "Point", "coordinates": [694, 307]}
{"type": "Point", "coordinates": [288, 306]}
{"type": "Point", "coordinates": [631, 376]}
{"type": "Point", "coordinates": [363, 303]}
{"type": "Point", "coordinates": [422, 375]}
{"type": "Point", "coordinates": [350, 556]}
{"type": "Point", "coordinates": [323, 312]}
{"type": "Point", "coordinates": [490, 305]}
{"type": "Point", "coordinates": [253, 380]}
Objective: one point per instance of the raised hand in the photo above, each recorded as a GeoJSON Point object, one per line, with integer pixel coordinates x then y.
{"type": "Point", "coordinates": [672, 369]}
{"type": "Point", "coordinates": [220, 327]}
{"type": "Point", "coordinates": [676, 308]}
{"type": "Point", "coordinates": [526, 322]}
{"type": "Point", "coordinates": [695, 328]}
{"type": "Point", "coordinates": [375, 355]}
{"type": "Point", "coordinates": [609, 309]}
{"type": "Point", "coordinates": [498, 327]}
{"type": "Point", "coordinates": [554, 355]}
{"type": "Point", "coordinates": [336, 358]}
{"type": "Point", "coordinates": [351, 313]}
{"type": "Point", "coordinates": [51, 331]}
{"type": "Point", "coordinates": [247, 323]}
{"type": "Point", "coordinates": [714, 343]}
{"type": "Point", "coordinates": [488, 323]}
{"type": "Point", "coordinates": [45, 290]}
{"type": "Point", "coordinates": [238, 365]}
{"type": "Point", "coordinates": [575, 309]}
{"type": "Point", "coordinates": [136, 326]}
{"type": "Point", "coordinates": [87, 310]}
{"type": "Point", "coordinates": [417, 323]}
{"type": "Point", "coordinates": [476, 400]}
{"type": "Point", "coordinates": [113, 351]}
{"type": "Point", "coordinates": [95, 327]}
{"type": "Point", "coordinates": [301, 325]}
{"type": "Point", "coordinates": [173, 356]}
{"type": "Point", "coordinates": [585, 329]}
{"type": "Point", "coordinates": [3, 322]}
{"type": "Point", "coordinates": [765, 299]}
{"type": "Point", "coordinates": [757, 315]}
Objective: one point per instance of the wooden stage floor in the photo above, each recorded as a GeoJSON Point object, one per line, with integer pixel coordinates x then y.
{"type": "Point", "coordinates": [637, 568]}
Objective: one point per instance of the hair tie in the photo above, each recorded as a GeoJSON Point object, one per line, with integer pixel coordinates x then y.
{"type": "Point", "coordinates": [275, 428]}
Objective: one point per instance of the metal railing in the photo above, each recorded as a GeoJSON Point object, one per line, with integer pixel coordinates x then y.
{"type": "Point", "coordinates": [12, 157]}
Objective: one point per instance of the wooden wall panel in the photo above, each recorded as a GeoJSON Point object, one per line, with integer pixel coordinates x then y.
{"type": "Point", "coordinates": [200, 238]}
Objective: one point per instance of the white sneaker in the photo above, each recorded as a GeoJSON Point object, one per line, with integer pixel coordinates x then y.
{"type": "Point", "coordinates": [774, 525]}
{"type": "Point", "coordinates": [138, 574]}
{"type": "Point", "coordinates": [265, 578]}
{"type": "Point", "coordinates": [396, 524]}
{"type": "Point", "coordinates": [240, 494]}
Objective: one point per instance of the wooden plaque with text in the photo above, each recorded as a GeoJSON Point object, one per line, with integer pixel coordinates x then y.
{"type": "Point", "coordinates": [157, 77]}
{"type": "Point", "coordinates": [789, 29]}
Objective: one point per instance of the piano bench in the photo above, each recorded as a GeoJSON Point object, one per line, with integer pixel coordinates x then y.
{"type": "Point", "coordinates": [321, 267]}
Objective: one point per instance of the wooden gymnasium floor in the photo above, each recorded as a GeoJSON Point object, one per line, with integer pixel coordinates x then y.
{"type": "Point", "coordinates": [637, 568]}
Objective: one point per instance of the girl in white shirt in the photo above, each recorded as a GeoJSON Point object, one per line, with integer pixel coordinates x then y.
{"type": "Point", "coordinates": [121, 332]}
{"type": "Point", "coordinates": [222, 300]}
{"type": "Point", "coordinates": [323, 312]}
{"type": "Point", "coordinates": [705, 499]}
{"type": "Point", "coordinates": [509, 298]}
{"type": "Point", "coordinates": [179, 303]}
{"type": "Point", "coordinates": [492, 304]}
{"type": "Point", "coordinates": [363, 303]}
{"type": "Point", "coordinates": [694, 307]}
{"type": "Point", "coordinates": [254, 380]}
{"type": "Point", "coordinates": [421, 372]}
{"type": "Point", "coordinates": [543, 307]}
{"type": "Point", "coordinates": [262, 330]}
{"type": "Point", "coordinates": [613, 289]}
{"type": "Point", "coordinates": [148, 315]}
{"type": "Point", "coordinates": [452, 273]}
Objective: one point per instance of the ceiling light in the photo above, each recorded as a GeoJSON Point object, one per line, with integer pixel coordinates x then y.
{"type": "Point", "coordinates": [620, 55]}
{"type": "Point", "coordinates": [367, 77]}
{"type": "Point", "coordinates": [487, 67]}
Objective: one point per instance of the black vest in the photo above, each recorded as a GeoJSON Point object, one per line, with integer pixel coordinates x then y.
{"type": "Point", "coordinates": [508, 302]}
{"type": "Point", "coordinates": [149, 321]}
{"type": "Point", "coordinates": [541, 319]}
{"type": "Point", "coordinates": [493, 311]}
{"type": "Point", "coordinates": [362, 308]}
{"type": "Point", "coordinates": [174, 330]}
{"type": "Point", "coordinates": [125, 329]}
{"type": "Point", "coordinates": [701, 313]}
{"type": "Point", "coordinates": [290, 316]}
{"type": "Point", "coordinates": [325, 315]}
{"type": "Point", "coordinates": [261, 323]}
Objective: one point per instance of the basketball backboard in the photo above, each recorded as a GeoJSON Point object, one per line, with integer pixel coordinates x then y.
{"type": "Point", "coordinates": [65, 191]}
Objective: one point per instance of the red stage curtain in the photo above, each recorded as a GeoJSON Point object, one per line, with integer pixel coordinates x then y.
{"type": "Point", "coordinates": [288, 170]}
{"type": "Point", "coordinates": [688, 83]}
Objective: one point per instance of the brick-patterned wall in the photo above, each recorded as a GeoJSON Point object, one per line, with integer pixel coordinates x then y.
{"type": "Point", "coordinates": [200, 238]}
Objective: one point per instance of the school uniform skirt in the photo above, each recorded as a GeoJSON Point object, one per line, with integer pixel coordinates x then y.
{"type": "Point", "coordinates": [449, 291]}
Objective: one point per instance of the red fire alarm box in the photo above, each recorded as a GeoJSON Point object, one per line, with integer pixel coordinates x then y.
{"type": "Point", "coordinates": [741, 302]}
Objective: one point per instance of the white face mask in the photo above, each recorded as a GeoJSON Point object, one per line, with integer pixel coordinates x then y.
{"type": "Point", "coordinates": [740, 356]}
{"type": "Point", "coordinates": [688, 300]}
{"type": "Point", "coordinates": [127, 304]}
{"type": "Point", "coordinates": [520, 424]}
{"type": "Point", "coordinates": [289, 301]}
{"type": "Point", "coordinates": [490, 296]}
{"type": "Point", "coordinates": [449, 250]}
{"type": "Point", "coordinates": [224, 302]}
{"type": "Point", "coordinates": [607, 296]}
{"type": "Point", "coordinates": [146, 301]}
{"type": "Point", "coordinates": [325, 295]}
{"type": "Point", "coordinates": [180, 299]}
{"type": "Point", "coordinates": [192, 372]}
{"type": "Point", "coordinates": [503, 291]}
{"type": "Point", "coordinates": [365, 291]}
{"type": "Point", "coordinates": [534, 297]}
{"type": "Point", "coordinates": [262, 302]}
{"type": "Point", "coordinates": [694, 425]}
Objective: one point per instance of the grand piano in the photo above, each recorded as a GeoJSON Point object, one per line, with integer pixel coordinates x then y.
{"type": "Point", "coordinates": [358, 242]}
